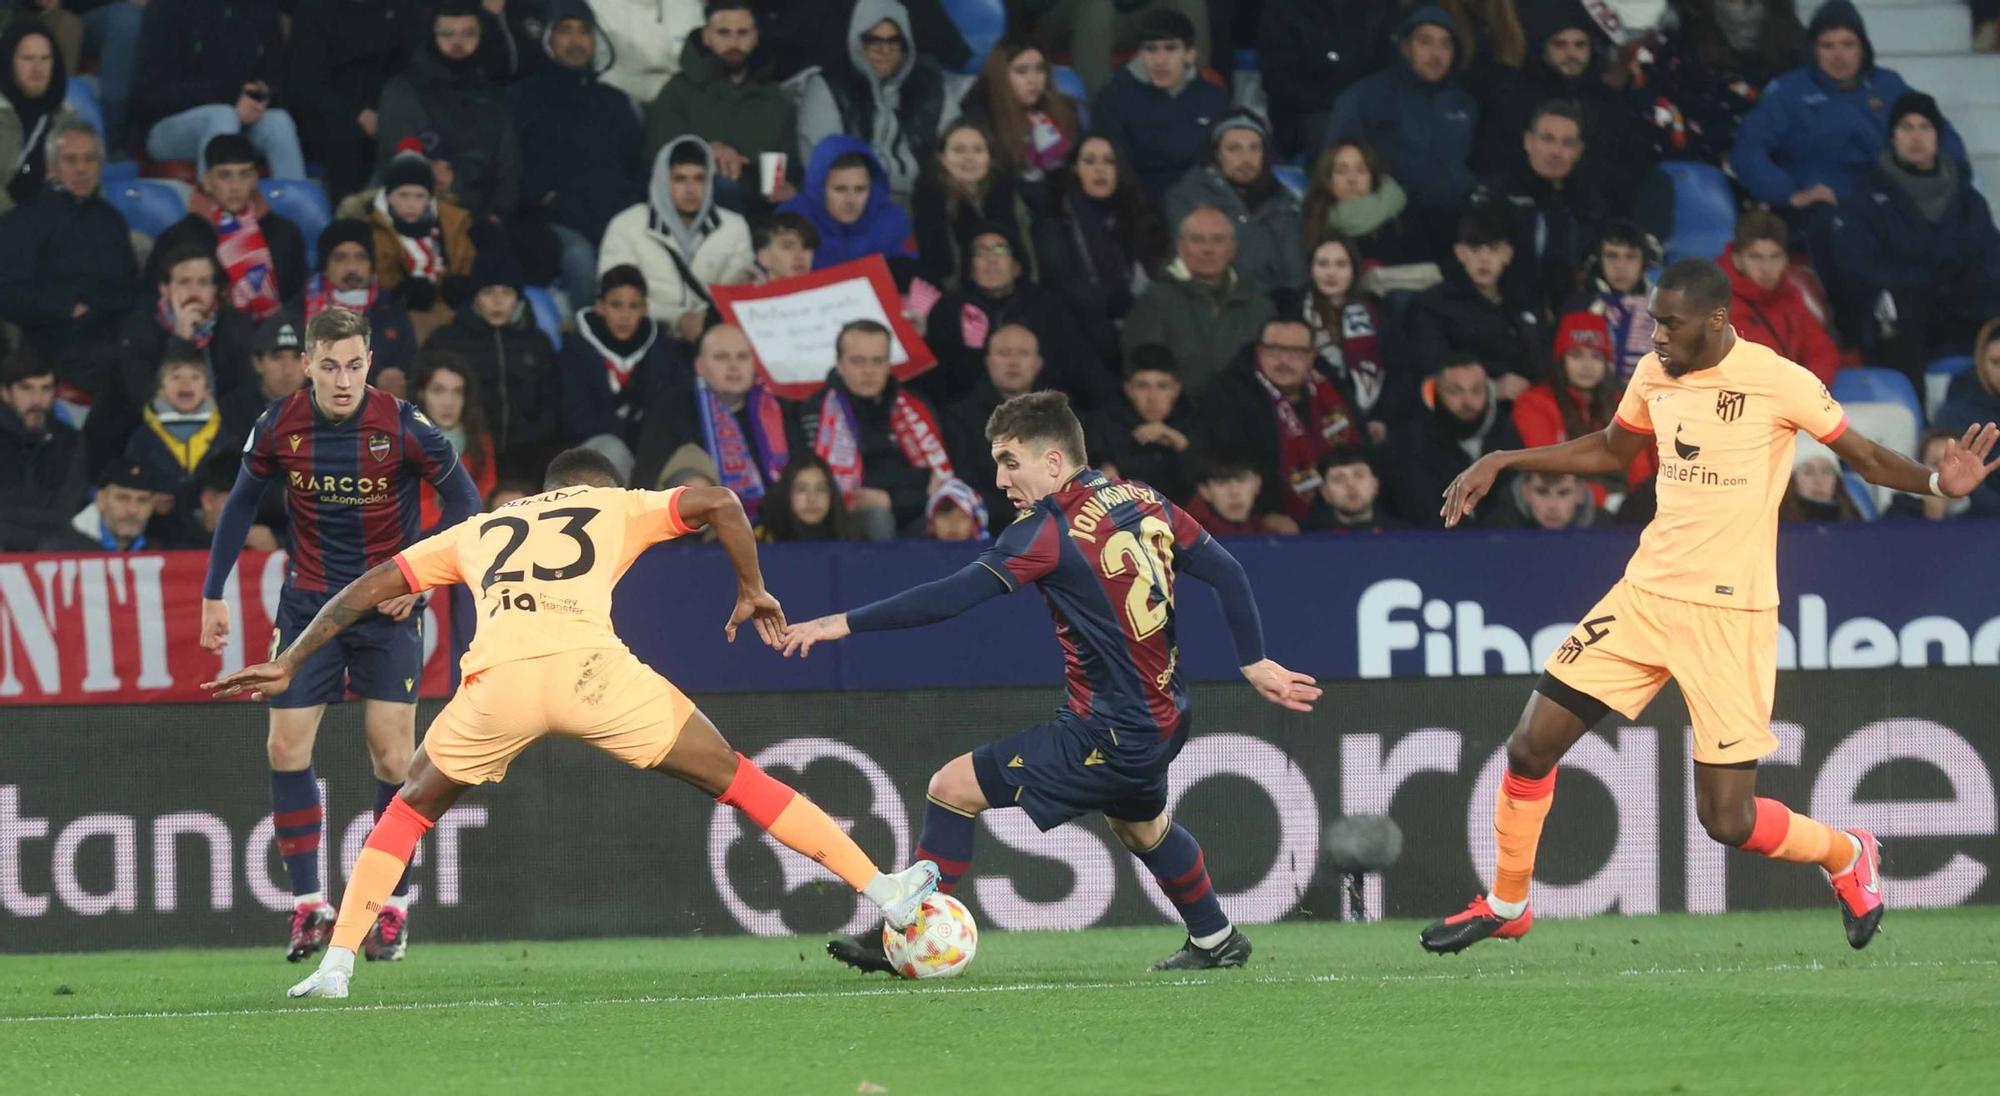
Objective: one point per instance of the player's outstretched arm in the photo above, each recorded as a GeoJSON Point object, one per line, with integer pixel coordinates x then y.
{"type": "Point", "coordinates": [1959, 472]}
{"type": "Point", "coordinates": [719, 508]}
{"type": "Point", "coordinates": [239, 513]}
{"type": "Point", "coordinates": [1211, 563]}
{"type": "Point", "coordinates": [1608, 450]}
{"type": "Point", "coordinates": [913, 608]}
{"type": "Point", "coordinates": [267, 679]}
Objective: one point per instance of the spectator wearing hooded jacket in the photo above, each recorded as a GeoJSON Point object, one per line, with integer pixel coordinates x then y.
{"type": "Point", "coordinates": [1818, 128]}
{"type": "Point", "coordinates": [1767, 306]}
{"type": "Point", "coordinates": [1567, 66]}
{"type": "Point", "coordinates": [1917, 250]}
{"type": "Point", "coordinates": [887, 93]}
{"type": "Point", "coordinates": [584, 166]}
{"type": "Point", "coordinates": [1417, 114]}
{"type": "Point", "coordinates": [1237, 180]}
{"type": "Point", "coordinates": [342, 53]}
{"type": "Point", "coordinates": [1158, 109]}
{"type": "Point", "coordinates": [512, 360]}
{"type": "Point", "coordinates": [208, 67]}
{"type": "Point", "coordinates": [446, 99]}
{"type": "Point", "coordinates": [846, 197]}
{"type": "Point", "coordinates": [262, 251]}
{"type": "Point", "coordinates": [615, 363]}
{"type": "Point", "coordinates": [646, 38]}
{"type": "Point", "coordinates": [34, 86]}
{"type": "Point", "coordinates": [680, 239]}
{"type": "Point", "coordinates": [727, 94]}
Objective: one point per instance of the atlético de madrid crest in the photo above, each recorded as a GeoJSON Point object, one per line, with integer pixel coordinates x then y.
{"type": "Point", "coordinates": [378, 446]}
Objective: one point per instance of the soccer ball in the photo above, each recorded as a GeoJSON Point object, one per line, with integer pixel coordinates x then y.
{"type": "Point", "coordinates": [938, 944]}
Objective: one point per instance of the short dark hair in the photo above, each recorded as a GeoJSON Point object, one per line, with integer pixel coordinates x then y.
{"type": "Point", "coordinates": [24, 364]}
{"type": "Point", "coordinates": [1760, 224]}
{"type": "Point", "coordinates": [218, 472]}
{"type": "Point", "coordinates": [1483, 225]}
{"type": "Point", "coordinates": [188, 252]}
{"type": "Point", "coordinates": [623, 275]}
{"type": "Point", "coordinates": [865, 327]}
{"type": "Point", "coordinates": [1701, 281]}
{"type": "Point", "coordinates": [1040, 417]}
{"type": "Point", "coordinates": [713, 6]}
{"type": "Point", "coordinates": [179, 351]}
{"type": "Point", "coordinates": [1152, 358]}
{"type": "Point", "coordinates": [336, 324]}
{"type": "Point", "coordinates": [1340, 456]}
{"type": "Point", "coordinates": [1163, 24]}
{"type": "Point", "coordinates": [1556, 108]}
{"type": "Point", "coordinates": [581, 466]}
{"type": "Point", "coordinates": [766, 229]}
{"type": "Point", "coordinates": [853, 159]}
{"type": "Point", "coordinates": [1459, 360]}
{"type": "Point", "coordinates": [1288, 318]}
{"type": "Point", "coordinates": [1227, 462]}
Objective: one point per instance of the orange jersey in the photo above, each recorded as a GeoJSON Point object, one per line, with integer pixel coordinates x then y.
{"type": "Point", "coordinates": [1725, 437]}
{"type": "Point", "coordinates": [542, 568]}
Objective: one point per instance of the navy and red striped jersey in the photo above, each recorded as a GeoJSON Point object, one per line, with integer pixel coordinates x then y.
{"type": "Point", "coordinates": [1104, 554]}
{"type": "Point", "coordinates": [351, 487]}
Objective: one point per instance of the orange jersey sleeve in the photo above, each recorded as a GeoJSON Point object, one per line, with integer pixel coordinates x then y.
{"type": "Point", "coordinates": [431, 562]}
{"type": "Point", "coordinates": [1805, 404]}
{"type": "Point", "coordinates": [651, 517]}
{"type": "Point", "coordinates": [1632, 413]}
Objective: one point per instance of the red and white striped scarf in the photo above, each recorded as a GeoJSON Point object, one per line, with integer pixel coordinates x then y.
{"type": "Point", "coordinates": [244, 253]}
{"type": "Point", "coordinates": [838, 440]}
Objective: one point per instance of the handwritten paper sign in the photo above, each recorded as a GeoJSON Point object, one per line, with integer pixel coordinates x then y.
{"type": "Point", "coordinates": [792, 322]}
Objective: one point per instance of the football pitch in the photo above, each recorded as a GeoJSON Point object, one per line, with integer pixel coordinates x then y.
{"type": "Point", "coordinates": [1747, 1002]}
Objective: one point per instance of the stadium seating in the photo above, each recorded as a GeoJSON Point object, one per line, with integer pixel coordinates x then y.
{"type": "Point", "coordinates": [1863, 494]}
{"type": "Point", "coordinates": [1881, 404]}
{"type": "Point", "coordinates": [1069, 83]}
{"type": "Point", "coordinates": [546, 317]}
{"type": "Point", "coordinates": [148, 205]}
{"type": "Point", "coordinates": [301, 202]}
{"type": "Point", "coordinates": [1293, 177]}
{"type": "Point", "coordinates": [81, 97]}
{"type": "Point", "coordinates": [1704, 211]}
{"type": "Point", "coordinates": [982, 22]}
{"type": "Point", "coordinates": [1938, 376]}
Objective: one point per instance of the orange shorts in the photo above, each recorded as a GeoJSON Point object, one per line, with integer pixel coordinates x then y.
{"type": "Point", "coordinates": [605, 697]}
{"type": "Point", "coordinates": [1725, 660]}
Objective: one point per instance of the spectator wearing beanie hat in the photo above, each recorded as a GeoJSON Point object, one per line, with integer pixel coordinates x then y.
{"type": "Point", "coordinates": [1579, 400]}
{"type": "Point", "coordinates": [423, 243]}
{"type": "Point", "coordinates": [955, 511]}
{"type": "Point", "coordinates": [1916, 247]}
{"type": "Point", "coordinates": [513, 362]}
{"type": "Point", "coordinates": [1237, 180]}
{"type": "Point", "coordinates": [680, 239]}
{"type": "Point", "coordinates": [115, 520]}
{"type": "Point", "coordinates": [346, 278]}
{"type": "Point", "coordinates": [262, 252]}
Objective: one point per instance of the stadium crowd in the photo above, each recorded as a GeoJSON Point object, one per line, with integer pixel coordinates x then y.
{"type": "Point", "coordinates": [1463, 268]}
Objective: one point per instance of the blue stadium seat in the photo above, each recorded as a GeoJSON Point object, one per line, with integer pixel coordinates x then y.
{"type": "Point", "coordinates": [1293, 177]}
{"type": "Point", "coordinates": [1069, 83]}
{"type": "Point", "coordinates": [148, 205]}
{"type": "Point", "coordinates": [1881, 404]}
{"type": "Point", "coordinates": [1938, 376]}
{"type": "Point", "coordinates": [301, 202]}
{"type": "Point", "coordinates": [546, 317]}
{"type": "Point", "coordinates": [1872, 384]}
{"type": "Point", "coordinates": [1247, 60]}
{"type": "Point", "coordinates": [1862, 492]}
{"type": "Point", "coordinates": [1704, 211]}
{"type": "Point", "coordinates": [81, 97]}
{"type": "Point", "coordinates": [120, 171]}
{"type": "Point", "coordinates": [981, 22]}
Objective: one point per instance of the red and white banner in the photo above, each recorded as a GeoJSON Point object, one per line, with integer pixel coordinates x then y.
{"type": "Point", "coordinates": [125, 627]}
{"type": "Point", "coordinates": [792, 322]}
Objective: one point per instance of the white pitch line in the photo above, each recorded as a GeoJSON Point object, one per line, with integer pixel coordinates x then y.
{"type": "Point", "coordinates": [1814, 967]}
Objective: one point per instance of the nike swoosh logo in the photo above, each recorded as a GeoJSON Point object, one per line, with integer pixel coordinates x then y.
{"type": "Point", "coordinates": [1726, 745]}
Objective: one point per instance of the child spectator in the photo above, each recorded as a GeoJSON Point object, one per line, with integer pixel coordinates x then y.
{"type": "Point", "coordinates": [423, 242]}
{"type": "Point", "coordinates": [511, 362]}
{"type": "Point", "coordinates": [805, 505]}
{"type": "Point", "coordinates": [615, 363]}
{"type": "Point", "coordinates": [1767, 306]}
{"type": "Point", "coordinates": [784, 244]}
{"type": "Point", "coordinates": [181, 426]}
{"type": "Point", "coordinates": [1578, 401]}
{"type": "Point", "coordinates": [955, 511]}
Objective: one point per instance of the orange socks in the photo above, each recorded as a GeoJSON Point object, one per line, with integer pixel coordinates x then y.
{"type": "Point", "coordinates": [797, 823]}
{"type": "Point", "coordinates": [390, 845]}
{"type": "Point", "coordinates": [1782, 834]}
{"type": "Point", "coordinates": [1518, 814]}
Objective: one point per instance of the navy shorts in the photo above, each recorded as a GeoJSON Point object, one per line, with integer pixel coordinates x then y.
{"type": "Point", "coordinates": [1072, 766]}
{"type": "Point", "coordinates": [378, 658]}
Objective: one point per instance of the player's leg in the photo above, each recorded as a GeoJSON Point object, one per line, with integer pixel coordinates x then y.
{"type": "Point", "coordinates": [299, 819]}
{"type": "Point", "coordinates": [701, 757]}
{"type": "Point", "coordinates": [1175, 860]}
{"type": "Point", "coordinates": [1731, 714]}
{"type": "Point", "coordinates": [391, 728]}
{"type": "Point", "coordinates": [384, 860]}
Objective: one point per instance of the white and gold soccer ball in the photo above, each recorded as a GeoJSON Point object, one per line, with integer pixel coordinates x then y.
{"type": "Point", "coordinates": [940, 943]}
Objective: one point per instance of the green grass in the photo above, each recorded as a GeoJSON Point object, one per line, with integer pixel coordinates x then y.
{"type": "Point", "coordinates": [1771, 1002]}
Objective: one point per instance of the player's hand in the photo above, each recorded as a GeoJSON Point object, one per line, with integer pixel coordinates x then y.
{"type": "Point", "coordinates": [762, 609]}
{"type": "Point", "coordinates": [799, 638]}
{"type": "Point", "coordinates": [263, 681]}
{"type": "Point", "coordinates": [1963, 467]}
{"type": "Point", "coordinates": [1288, 689]}
{"type": "Point", "coordinates": [1467, 488]}
{"type": "Point", "coordinates": [214, 623]}
{"type": "Point", "coordinates": [400, 608]}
